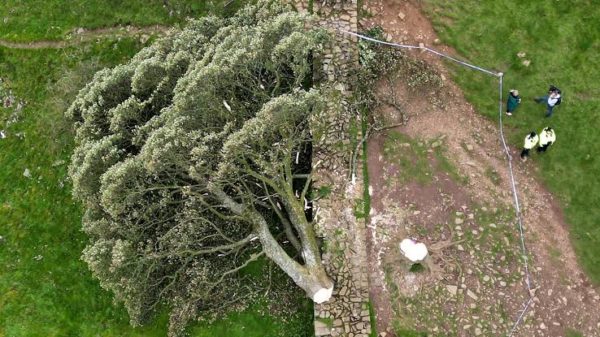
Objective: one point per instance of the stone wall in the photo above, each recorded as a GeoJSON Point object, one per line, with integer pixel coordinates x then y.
{"type": "Point", "coordinates": [344, 253]}
{"type": "Point", "coordinates": [334, 65]}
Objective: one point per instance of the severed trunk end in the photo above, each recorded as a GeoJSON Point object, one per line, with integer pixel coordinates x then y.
{"type": "Point", "coordinates": [322, 295]}
{"type": "Point", "coordinates": [319, 287]}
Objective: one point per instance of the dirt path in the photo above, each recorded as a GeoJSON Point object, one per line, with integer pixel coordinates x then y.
{"type": "Point", "coordinates": [475, 287]}
{"type": "Point", "coordinates": [82, 35]}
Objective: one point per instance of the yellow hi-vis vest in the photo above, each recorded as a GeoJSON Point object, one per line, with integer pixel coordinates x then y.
{"type": "Point", "coordinates": [530, 141]}
{"type": "Point", "coordinates": [547, 136]}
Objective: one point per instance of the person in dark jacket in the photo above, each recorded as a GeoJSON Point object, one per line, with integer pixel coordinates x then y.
{"type": "Point", "coordinates": [513, 101]}
{"type": "Point", "coordinates": [552, 99]}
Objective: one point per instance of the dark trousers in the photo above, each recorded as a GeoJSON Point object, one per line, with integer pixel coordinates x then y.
{"type": "Point", "coordinates": [525, 153]}
{"type": "Point", "coordinates": [549, 108]}
{"type": "Point", "coordinates": [544, 148]}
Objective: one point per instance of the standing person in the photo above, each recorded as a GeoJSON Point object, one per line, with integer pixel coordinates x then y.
{"type": "Point", "coordinates": [530, 141]}
{"type": "Point", "coordinates": [547, 138]}
{"type": "Point", "coordinates": [513, 101]}
{"type": "Point", "coordinates": [552, 99]}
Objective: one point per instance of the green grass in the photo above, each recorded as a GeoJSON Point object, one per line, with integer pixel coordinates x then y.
{"type": "Point", "coordinates": [45, 289]}
{"type": "Point", "coordinates": [409, 155]}
{"type": "Point", "coordinates": [445, 165]}
{"type": "Point", "coordinates": [573, 333]}
{"type": "Point", "coordinates": [493, 176]}
{"type": "Point", "coordinates": [55, 296]}
{"type": "Point", "coordinates": [561, 39]}
{"type": "Point", "coordinates": [26, 20]}
{"type": "Point", "coordinates": [328, 321]}
{"type": "Point", "coordinates": [373, 320]}
{"type": "Point", "coordinates": [414, 162]}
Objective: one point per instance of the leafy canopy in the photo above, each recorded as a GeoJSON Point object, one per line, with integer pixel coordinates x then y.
{"type": "Point", "coordinates": [169, 144]}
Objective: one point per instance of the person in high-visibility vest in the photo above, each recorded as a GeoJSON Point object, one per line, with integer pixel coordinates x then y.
{"type": "Point", "coordinates": [530, 141]}
{"type": "Point", "coordinates": [547, 138]}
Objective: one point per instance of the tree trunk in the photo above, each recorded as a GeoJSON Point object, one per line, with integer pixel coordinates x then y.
{"type": "Point", "coordinates": [311, 277]}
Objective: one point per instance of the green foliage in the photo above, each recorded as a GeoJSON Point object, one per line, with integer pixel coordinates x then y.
{"type": "Point", "coordinates": [324, 191]}
{"type": "Point", "coordinates": [561, 41]}
{"type": "Point", "coordinates": [328, 321]}
{"type": "Point", "coordinates": [373, 320]}
{"type": "Point", "coordinates": [375, 59]}
{"type": "Point", "coordinates": [185, 152]}
{"type": "Point", "coordinates": [359, 209]}
{"type": "Point", "coordinates": [366, 194]}
{"type": "Point", "coordinates": [384, 62]}
{"type": "Point", "coordinates": [417, 268]}
{"type": "Point", "coordinates": [56, 295]}
{"type": "Point", "coordinates": [384, 67]}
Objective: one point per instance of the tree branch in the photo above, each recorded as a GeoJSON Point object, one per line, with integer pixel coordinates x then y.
{"type": "Point", "coordinates": [289, 232]}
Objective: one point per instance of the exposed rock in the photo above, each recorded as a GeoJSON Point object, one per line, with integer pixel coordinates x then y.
{"type": "Point", "coordinates": [321, 331]}
{"type": "Point", "coordinates": [452, 289]}
{"type": "Point", "coordinates": [472, 295]}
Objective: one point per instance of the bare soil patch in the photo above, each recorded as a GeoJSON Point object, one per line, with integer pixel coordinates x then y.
{"type": "Point", "coordinates": [475, 285]}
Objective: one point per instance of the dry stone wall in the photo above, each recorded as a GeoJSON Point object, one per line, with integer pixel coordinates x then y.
{"type": "Point", "coordinates": [344, 254]}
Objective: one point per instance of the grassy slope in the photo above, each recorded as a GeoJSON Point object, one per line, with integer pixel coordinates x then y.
{"type": "Point", "coordinates": [26, 20]}
{"type": "Point", "coordinates": [562, 40]}
{"type": "Point", "coordinates": [56, 295]}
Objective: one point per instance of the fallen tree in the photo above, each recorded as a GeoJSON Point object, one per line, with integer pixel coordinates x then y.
{"type": "Point", "coordinates": [191, 162]}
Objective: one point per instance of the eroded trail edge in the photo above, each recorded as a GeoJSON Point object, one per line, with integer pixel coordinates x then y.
{"type": "Point", "coordinates": [82, 35]}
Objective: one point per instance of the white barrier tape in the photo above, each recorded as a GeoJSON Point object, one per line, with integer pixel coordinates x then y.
{"type": "Point", "coordinates": [423, 48]}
